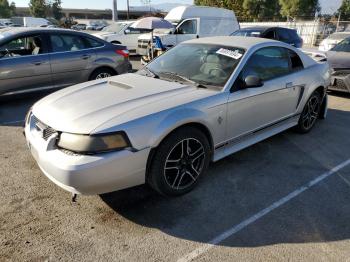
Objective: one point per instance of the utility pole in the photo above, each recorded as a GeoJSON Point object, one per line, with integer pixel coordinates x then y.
{"type": "Point", "coordinates": [338, 21]}
{"type": "Point", "coordinates": [128, 10]}
{"type": "Point", "coordinates": [115, 11]}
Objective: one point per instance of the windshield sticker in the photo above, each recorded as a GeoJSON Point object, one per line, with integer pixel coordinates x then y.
{"type": "Point", "coordinates": [233, 54]}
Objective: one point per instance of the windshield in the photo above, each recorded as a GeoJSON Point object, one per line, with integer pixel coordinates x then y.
{"type": "Point", "coordinates": [204, 64]}
{"type": "Point", "coordinates": [116, 28]}
{"type": "Point", "coordinates": [255, 33]}
{"type": "Point", "coordinates": [343, 46]}
{"type": "Point", "coordinates": [338, 36]}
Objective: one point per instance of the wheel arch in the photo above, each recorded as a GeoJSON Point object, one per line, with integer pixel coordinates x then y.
{"type": "Point", "coordinates": [102, 67]}
{"type": "Point", "coordinates": [198, 125]}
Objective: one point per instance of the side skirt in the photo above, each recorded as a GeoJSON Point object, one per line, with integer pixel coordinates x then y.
{"type": "Point", "coordinates": [246, 140]}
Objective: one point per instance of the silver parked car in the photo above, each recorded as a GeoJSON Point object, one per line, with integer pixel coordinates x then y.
{"type": "Point", "coordinates": [199, 102]}
{"type": "Point", "coordinates": [339, 60]}
{"type": "Point", "coordinates": [36, 59]}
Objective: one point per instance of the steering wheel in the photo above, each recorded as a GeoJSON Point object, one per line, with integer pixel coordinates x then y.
{"type": "Point", "coordinates": [222, 72]}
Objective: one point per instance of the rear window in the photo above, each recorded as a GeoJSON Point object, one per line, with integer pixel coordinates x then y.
{"type": "Point", "coordinates": [283, 34]}
{"type": "Point", "coordinates": [251, 33]}
{"type": "Point", "coordinates": [93, 43]}
{"type": "Point", "coordinates": [293, 34]}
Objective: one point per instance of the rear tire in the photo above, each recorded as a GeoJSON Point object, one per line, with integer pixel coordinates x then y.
{"type": "Point", "coordinates": [179, 162]}
{"type": "Point", "coordinates": [102, 73]}
{"type": "Point", "coordinates": [310, 114]}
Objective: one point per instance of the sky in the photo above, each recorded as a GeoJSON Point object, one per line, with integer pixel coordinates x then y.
{"type": "Point", "coordinates": [328, 6]}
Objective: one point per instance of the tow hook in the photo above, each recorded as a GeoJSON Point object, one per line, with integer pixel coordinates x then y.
{"type": "Point", "coordinates": [74, 198]}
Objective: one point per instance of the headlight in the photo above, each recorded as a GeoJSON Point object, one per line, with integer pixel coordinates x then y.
{"type": "Point", "coordinates": [27, 118]}
{"type": "Point", "coordinates": [93, 144]}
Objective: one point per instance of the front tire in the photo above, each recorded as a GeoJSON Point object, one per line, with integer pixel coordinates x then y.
{"type": "Point", "coordinates": [179, 162]}
{"type": "Point", "coordinates": [101, 73]}
{"type": "Point", "coordinates": [310, 114]}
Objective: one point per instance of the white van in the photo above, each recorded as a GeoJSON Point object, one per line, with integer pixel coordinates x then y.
{"type": "Point", "coordinates": [192, 22]}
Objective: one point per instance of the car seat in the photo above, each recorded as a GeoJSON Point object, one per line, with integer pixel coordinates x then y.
{"type": "Point", "coordinates": [37, 46]}
{"type": "Point", "coordinates": [211, 66]}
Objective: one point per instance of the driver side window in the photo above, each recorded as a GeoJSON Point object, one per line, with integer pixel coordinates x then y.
{"type": "Point", "coordinates": [188, 27]}
{"type": "Point", "coordinates": [22, 46]}
{"type": "Point", "coordinates": [267, 63]}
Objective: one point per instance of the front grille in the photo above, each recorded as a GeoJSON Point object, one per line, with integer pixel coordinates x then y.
{"type": "Point", "coordinates": [339, 85]}
{"type": "Point", "coordinates": [143, 43]}
{"type": "Point", "coordinates": [41, 127]}
{"type": "Point", "coordinates": [68, 152]}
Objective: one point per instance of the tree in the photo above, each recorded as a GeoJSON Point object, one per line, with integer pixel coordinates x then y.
{"type": "Point", "coordinates": [299, 8]}
{"type": "Point", "coordinates": [13, 8]}
{"type": "Point", "coordinates": [247, 9]}
{"type": "Point", "coordinates": [235, 5]}
{"type": "Point", "coordinates": [7, 10]}
{"type": "Point", "coordinates": [56, 9]}
{"type": "Point", "coordinates": [38, 8]}
{"type": "Point", "coordinates": [344, 10]}
{"type": "Point", "coordinates": [262, 9]}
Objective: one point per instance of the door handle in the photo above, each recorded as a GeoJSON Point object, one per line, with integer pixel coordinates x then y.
{"type": "Point", "coordinates": [289, 85]}
{"type": "Point", "coordinates": [85, 57]}
{"type": "Point", "coordinates": [37, 63]}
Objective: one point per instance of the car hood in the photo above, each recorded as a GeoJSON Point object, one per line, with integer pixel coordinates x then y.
{"type": "Point", "coordinates": [338, 60]}
{"type": "Point", "coordinates": [103, 34]}
{"type": "Point", "coordinates": [83, 108]}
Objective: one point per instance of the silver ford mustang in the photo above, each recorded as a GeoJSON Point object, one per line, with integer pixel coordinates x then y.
{"type": "Point", "coordinates": [199, 102]}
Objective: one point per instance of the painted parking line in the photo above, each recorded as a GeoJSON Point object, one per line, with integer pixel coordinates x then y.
{"type": "Point", "coordinates": [235, 229]}
{"type": "Point", "coordinates": [12, 122]}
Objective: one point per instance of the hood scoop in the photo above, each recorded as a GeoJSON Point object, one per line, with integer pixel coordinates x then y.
{"type": "Point", "coordinates": [119, 84]}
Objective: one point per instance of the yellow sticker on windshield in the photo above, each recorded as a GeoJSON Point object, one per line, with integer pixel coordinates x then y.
{"type": "Point", "coordinates": [230, 53]}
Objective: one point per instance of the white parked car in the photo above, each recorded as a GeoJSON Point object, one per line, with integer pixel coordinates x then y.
{"type": "Point", "coordinates": [332, 40]}
{"type": "Point", "coordinates": [192, 22]}
{"type": "Point", "coordinates": [199, 102]}
{"type": "Point", "coordinates": [122, 33]}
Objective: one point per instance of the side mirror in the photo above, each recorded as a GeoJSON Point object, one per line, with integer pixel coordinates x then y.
{"type": "Point", "coordinates": [253, 81]}
{"type": "Point", "coordinates": [127, 31]}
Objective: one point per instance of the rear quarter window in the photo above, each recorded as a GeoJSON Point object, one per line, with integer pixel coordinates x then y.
{"type": "Point", "coordinates": [92, 43]}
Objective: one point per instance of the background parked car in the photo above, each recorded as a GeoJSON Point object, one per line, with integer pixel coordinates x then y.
{"type": "Point", "coordinates": [34, 59]}
{"type": "Point", "coordinates": [286, 35]}
{"type": "Point", "coordinates": [332, 40]}
{"type": "Point", "coordinates": [339, 60]}
{"type": "Point", "coordinates": [79, 27]}
{"type": "Point", "coordinates": [122, 33]}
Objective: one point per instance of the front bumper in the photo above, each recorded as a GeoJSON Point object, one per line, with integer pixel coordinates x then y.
{"type": "Point", "coordinates": [86, 174]}
{"type": "Point", "coordinates": [340, 81]}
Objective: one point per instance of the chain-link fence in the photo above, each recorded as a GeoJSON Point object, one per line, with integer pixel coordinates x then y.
{"type": "Point", "coordinates": [311, 31]}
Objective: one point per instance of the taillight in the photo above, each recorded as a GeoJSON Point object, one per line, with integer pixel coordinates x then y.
{"type": "Point", "coordinates": [124, 52]}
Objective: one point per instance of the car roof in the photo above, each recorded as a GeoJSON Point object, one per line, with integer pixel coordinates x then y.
{"type": "Point", "coordinates": [233, 41]}
{"type": "Point", "coordinates": [263, 28]}
{"type": "Point", "coordinates": [259, 28]}
{"type": "Point", "coordinates": [18, 31]}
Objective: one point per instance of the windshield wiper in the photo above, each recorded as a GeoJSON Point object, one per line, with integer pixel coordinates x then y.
{"type": "Point", "coordinates": [184, 78]}
{"type": "Point", "coordinates": [150, 72]}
